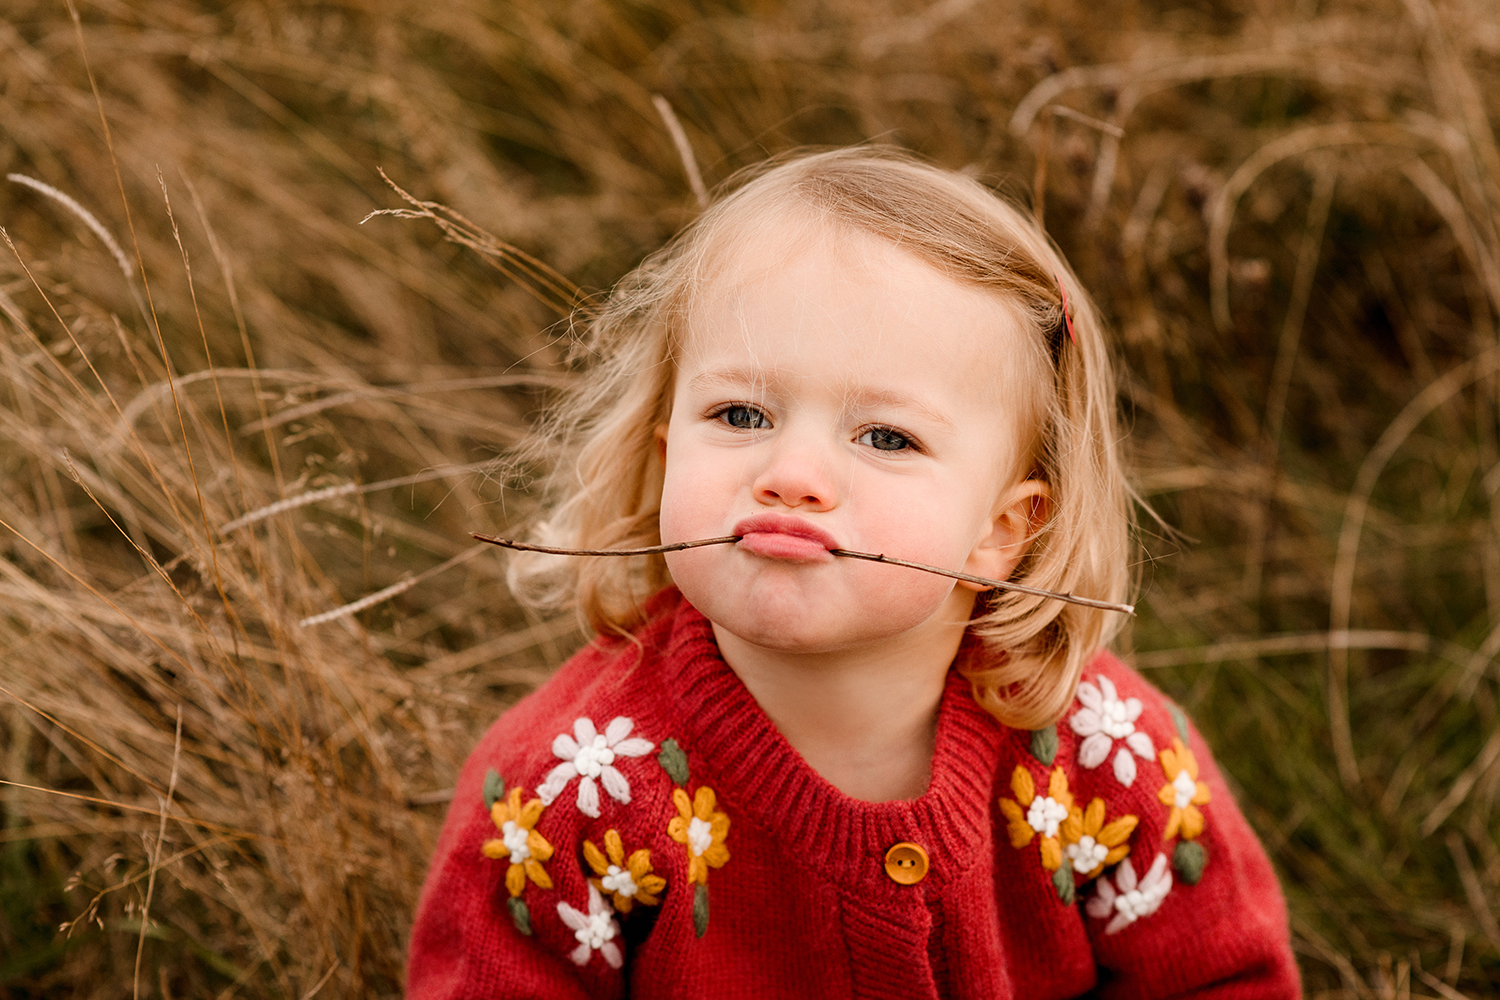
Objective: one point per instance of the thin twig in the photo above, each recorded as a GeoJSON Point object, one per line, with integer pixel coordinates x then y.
{"type": "Point", "coordinates": [649, 550]}
{"type": "Point", "coordinates": [1293, 643]}
{"type": "Point", "coordinates": [1039, 176]}
{"type": "Point", "coordinates": [538, 279]}
{"type": "Point", "coordinates": [1440, 986]}
{"type": "Point", "coordinates": [161, 836]}
{"type": "Point", "coordinates": [88, 218]}
{"type": "Point", "coordinates": [330, 492]}
{"type": "Point", "coordinates": [1220, 209]}
{"type": "Point", "coordinates": [322, 982]}
{"type": "Point", "coordinates": [395, 589]}
{"type": "Point", "coordinates": [1308, 256]}
{"type": "Point", "coordinates": [208, 534]}
{"type": "Point", "coordinates": [1063, 111]}
{"type": "Point", "coordinates": [1473, 888]}
{"type": "Point", "coordinates": [1020, 588]}
{"type": "Point", "coordinates": [367, 393]}
{"type": "Point", "coordinates": [1356, 510]}
{"type": "Point", "coordinates": [228, 831]}
{"type": "Point", "coordinates": [79, 737]}
{"type": "Point", "coordinates": [684, 148]}
{"type": "Point", "coordinates": [1462, 786]}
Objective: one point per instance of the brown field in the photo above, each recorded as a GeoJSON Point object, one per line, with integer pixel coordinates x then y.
{"type": "Point", "coordinates": [1287, 210]}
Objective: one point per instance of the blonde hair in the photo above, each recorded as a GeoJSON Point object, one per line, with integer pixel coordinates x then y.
{"type": "Point", "coordinates": [606, 474]}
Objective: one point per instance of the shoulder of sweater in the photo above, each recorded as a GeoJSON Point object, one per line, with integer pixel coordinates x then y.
{"type": "Point", "coordinates": [1126, 778]}
{"type": "Point", "coordinates": [1113, 729]}
{"type": "Point", "coordinates": [574, 779]}
{"type": "Point", "coordinates": [1177, 860]}
{"type": "Point", "coordinates": [586, 743]}
{"type": "Point", "coordinates": [601, 683]}
{"type": "Point", "coordinates": [1134, 820]}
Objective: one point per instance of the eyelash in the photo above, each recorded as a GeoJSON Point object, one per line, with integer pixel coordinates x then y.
{"type": "Point", "coordinates": [722, 414]}
{"type": "Point", "coordinates": [910, 443]}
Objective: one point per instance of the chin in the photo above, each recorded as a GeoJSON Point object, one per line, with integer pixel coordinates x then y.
{"type": "Point", "coordinates": [792, 630]}
{"type": "Point", "coordinates": [811, 609]}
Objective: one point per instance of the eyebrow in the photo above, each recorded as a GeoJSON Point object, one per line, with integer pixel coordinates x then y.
{"type": "Point", "coordinates": [733, 376]}
{"type": "Point", "coordinates": [761, 380]}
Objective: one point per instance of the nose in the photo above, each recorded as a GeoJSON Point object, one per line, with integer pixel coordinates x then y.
{"type": "Point", "coordinates": [796, 474]}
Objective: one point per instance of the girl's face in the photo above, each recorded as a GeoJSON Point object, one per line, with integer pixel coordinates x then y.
{"type": "Point", "coordinates": [847, 396]}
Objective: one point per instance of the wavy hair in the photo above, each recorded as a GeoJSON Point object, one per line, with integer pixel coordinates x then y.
{"type": "Point", "coordinates": [598, 441]}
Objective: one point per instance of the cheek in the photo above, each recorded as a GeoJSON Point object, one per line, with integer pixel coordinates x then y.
{"type": "Point", "coordinates": [691, 506]}
{"type": "Point", "coordinates": [925, 526]}
{"type": "Point", "coordinates": [675, 508]}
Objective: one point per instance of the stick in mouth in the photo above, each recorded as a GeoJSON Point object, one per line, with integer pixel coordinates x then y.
{"type": "Point", "coordinates": [1088, 602]}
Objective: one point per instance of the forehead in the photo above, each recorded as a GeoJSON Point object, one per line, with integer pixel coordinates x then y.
{"type": "Point", "coordinates": [793, 285]}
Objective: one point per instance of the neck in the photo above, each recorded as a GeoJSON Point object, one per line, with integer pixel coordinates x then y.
{"type": "Point", "coordinates": [864, 719]}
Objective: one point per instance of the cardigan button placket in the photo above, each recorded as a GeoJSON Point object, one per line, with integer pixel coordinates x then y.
{"type": "Point", "coordinates": [906, 863]}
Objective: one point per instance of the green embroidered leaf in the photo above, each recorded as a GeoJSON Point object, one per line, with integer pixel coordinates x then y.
{"type": "Point", "coordinates": [674, 762]}
{"type": "Point", "coordinates": [520, 915]}
{"type": "Point", "coordinates": [1044, 745]}
{"type": "Point", "coordinates": [1062, 881]}
{"type": "Point", "coordinates": [1189, 859]}
{"type": "Point", "coordinates": [1180, 721]}
{"type": "Point", "coordinates": [700, 909]}
{"type": "Point", "coordinates": [494, 788]}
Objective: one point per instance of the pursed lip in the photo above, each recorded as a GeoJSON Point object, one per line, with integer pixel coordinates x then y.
{"type": "Point", "coordinates": [779, 536]}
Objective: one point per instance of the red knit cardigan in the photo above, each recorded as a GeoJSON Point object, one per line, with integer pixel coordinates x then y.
{"type": "Point", "coordinates": [745, 874]}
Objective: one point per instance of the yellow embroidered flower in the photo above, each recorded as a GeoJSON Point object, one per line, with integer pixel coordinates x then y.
{"type": "Point", "coordinates": [519, 842]}
{"type": "Point", "coordinates": [1092, 845]}
{"type": "Point", "coordinates": [626, 880]}
{"type": "Point", "coordinates": [1184, 792]}
{"type": "Point", "coordinates": [1031, 814]}
{"type": "Point", "coordinates": [702, 829]}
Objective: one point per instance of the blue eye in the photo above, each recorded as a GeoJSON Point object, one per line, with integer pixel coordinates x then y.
{"type": "Point", "coordinates": [744, 417]}
{"type": "Point", "coordinates": [884, 439]}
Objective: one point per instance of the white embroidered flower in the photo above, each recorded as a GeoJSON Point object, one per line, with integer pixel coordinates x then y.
{"type": "Point", "coordinates": [594, 931]}
{"type": "Point", "coordinates": [700, 836]}
{"type": "Point", "coordinates": [1127, 899]}
{"type": "Point", "coordinates": [1045, 815]}
{"type": "Point", "coordinates": [1183, 788]}
{"type": "Point", "coordinates": [514, 836]}
{"type": "Point", "coordinates": [1087, 854]}
{"type": "Point", "coordinates": [1105, 718]}
{"type": "Point", "coordinates": [618, 879]}
{"type": "Point", "coordinates": [589, 755]}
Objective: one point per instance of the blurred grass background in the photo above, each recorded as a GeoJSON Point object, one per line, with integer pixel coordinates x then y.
{"type": "Point", "coordinates": [1286, 207]}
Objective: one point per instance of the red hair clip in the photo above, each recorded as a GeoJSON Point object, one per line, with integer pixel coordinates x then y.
{"type": "Point", "coordinates": [1067, 317]}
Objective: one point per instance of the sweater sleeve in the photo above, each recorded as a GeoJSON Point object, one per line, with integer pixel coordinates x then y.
{"type": "Point", "coordinates": [489, 922]}
{"type": "Point", "coordinates": [1194, 908]}
{"type": "Point", "coordinates": [521, 900]}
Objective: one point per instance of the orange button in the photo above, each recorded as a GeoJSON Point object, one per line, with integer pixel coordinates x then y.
{"type": "Point", "coordinates": [906, 863]}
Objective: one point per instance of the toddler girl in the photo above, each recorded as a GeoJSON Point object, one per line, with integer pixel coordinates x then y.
{"type": "Point", "coordinates": [783, 772]}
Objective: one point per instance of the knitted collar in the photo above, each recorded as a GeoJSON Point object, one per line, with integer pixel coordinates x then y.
{"type": "Point", "coordinates": [738, 750]}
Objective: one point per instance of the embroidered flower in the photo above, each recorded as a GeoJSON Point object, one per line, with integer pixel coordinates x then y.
{"type": "Point", "coordinates": [595, 930]}
{"type": "Point", "coordinates": [1184, 793]}
{"type": "Point", "coordinates": [1127, 899]}
{"type": "Point", "coordinates": [626, 881]}
{"type": "Point", "coordinates": [589, 755]}
{"type": "Point", "coordinates": [1031, 814]}
{"type": "Point", "coordinates": [519, 841]}
{"type": "Point", "coordinates": [1090, 844]}
{"type": "Point", "coordinates": [1105, 718]}
{"type": "Point", "coordinates": [702, 830]}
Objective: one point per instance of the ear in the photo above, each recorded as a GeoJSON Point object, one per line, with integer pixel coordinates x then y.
{"type": "Point", "coordinates": [661, 444]}
{"type": "Point", "coordinates": [1021, 513]}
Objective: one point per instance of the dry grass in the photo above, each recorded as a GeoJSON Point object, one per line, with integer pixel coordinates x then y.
{"type": "Point", "coordinates": [1289, 213]}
